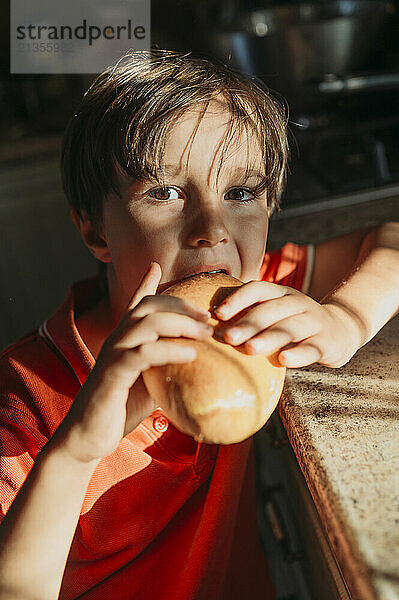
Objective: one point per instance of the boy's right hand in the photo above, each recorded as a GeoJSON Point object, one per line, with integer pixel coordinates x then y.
{"type": "Point", "coordinates": [114, 400]}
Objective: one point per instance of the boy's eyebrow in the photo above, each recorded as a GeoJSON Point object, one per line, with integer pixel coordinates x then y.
{"type": "Point", "coordinates": [250, 172]}
{"type": "Point", "coordinates": [172, 170]}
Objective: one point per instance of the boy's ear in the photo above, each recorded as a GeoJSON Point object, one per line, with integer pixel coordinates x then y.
{"type": "Point", "coordinates": [93, 239]}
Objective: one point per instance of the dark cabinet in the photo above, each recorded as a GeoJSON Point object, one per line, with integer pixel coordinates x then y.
{"type": "Point", "coordinates": [302, 562]}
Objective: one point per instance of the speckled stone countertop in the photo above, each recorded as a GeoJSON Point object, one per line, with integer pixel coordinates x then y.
{"type": "Point", "coordinates": [343, 425]}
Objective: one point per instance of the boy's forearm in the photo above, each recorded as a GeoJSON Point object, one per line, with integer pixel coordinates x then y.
{"type": "Point", "coordinates": [370, 294]}
{"type": "Point", "coordinates": [37, 531]}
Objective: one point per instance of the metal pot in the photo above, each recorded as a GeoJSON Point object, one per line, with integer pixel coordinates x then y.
{"type": "Point", "coordinates": [293, 47]}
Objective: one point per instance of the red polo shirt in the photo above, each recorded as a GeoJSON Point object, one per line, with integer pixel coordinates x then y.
{"type": "Point", "coordinates": [163, 517]}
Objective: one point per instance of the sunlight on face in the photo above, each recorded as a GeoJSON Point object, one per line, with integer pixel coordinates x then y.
{"type": "Point", "coordinates": [197, 217]}
{"type": "Point", "coordinates": [195, 147]}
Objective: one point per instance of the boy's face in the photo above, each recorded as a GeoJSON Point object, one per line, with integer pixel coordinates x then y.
{"type": "Point", "coordinates": [191, 225]}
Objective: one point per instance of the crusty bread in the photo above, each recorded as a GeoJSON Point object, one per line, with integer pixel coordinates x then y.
{"type": "Point", "coordinates": [224, 396]}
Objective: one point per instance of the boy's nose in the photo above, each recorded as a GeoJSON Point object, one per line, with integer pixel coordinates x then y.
{"type": "Point", "coordinates": [206, 229]}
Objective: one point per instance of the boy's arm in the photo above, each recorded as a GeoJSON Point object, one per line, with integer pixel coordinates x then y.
{"type": "Point", "coordinates": [334, 260]}
{"type": "Point", "coordinates": [37, 531]}
{"type": "Point", "coordinates": [359, 273]}
{"type": "Point", "coordinates": [354, 291]}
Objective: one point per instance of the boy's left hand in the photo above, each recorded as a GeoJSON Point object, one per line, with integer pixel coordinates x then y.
{"type": "Point", "coordinates": [276, 316]}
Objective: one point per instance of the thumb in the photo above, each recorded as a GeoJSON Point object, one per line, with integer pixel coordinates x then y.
{"type": "Point", "coordinates": [148, 285]}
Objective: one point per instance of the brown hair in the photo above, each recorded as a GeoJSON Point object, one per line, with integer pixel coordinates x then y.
{"type": "Point", "coordinates": [125, 115]}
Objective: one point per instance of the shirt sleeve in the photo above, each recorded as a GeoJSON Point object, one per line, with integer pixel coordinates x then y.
{"type": "Point", "coordinates": [21, 438]}
{"type": "Point", "coordinates": [292, 266]}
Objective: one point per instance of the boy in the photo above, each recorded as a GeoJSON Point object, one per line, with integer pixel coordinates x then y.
{"type": "Point", "coordinates": [172, 166]}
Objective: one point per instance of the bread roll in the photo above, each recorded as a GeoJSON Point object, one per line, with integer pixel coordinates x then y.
{"type": "Point", "coordinates": [224, 396]}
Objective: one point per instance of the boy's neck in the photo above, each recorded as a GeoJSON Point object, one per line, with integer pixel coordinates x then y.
{"type": "Point", "coordinates": [94, 326]}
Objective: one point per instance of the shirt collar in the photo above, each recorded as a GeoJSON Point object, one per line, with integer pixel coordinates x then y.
{"type": "Point", "coordinates": [61, 331]}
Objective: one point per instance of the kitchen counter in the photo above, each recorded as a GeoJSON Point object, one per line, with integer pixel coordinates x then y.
{"type": "Point", "coordinates": [343, 425]}
{"type": "Point", "coordinates": [318, 222]}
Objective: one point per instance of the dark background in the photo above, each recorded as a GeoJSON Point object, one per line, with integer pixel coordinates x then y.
{"type": "Point", "coordinates": [339, 140]}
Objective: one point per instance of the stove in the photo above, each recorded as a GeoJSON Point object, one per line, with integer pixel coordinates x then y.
{"type": "Point", "coordinates": [347, 147]}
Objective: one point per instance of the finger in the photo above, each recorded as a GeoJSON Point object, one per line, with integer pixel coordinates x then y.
{"type": "Point", "coordinates": [164, 352]}
{"type": "Point", "coordinates": [292, 330]}
{"type": "Point", "coordinates": [260, 317]}
{"type": "Point", "coordinates": [162, 324]}
{"type": "Point", "coordinates": [246, 295]}
{"type": "Point", "coordinates": [128, 364]}
{"type": "Point", "coordinates": [305, 353]}
{"type": "Point", "coordinates": [150, 304]}
{"type": "Point", "coordinates": [140, 404]}
{"type": "Point", "coordinates": [148, 285]}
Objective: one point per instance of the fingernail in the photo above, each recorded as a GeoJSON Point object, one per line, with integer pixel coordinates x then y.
{"type": "Point", "coordinates": [258, 345]}
{"type": "Point", "coordinates": [234, 335]}
{"type": "Point", "coordinates": [222, 311]}
{"type": "Point", "coordinates": [203, 318]}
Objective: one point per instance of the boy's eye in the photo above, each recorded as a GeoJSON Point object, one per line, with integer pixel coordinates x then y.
{"type": "Point", "coordinates": [164, 193]}
{"type": "Point", "coordinates": [241, 194]}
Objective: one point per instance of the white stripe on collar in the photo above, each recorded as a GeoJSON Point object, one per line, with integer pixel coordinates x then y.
{"type": "Point", "coordinates": [46, 335]}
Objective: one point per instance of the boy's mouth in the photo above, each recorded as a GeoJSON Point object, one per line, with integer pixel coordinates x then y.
{"type": "Point", "coordinates": [201, 269]}
{"type": "Point", "coordinates": [205, 272]}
